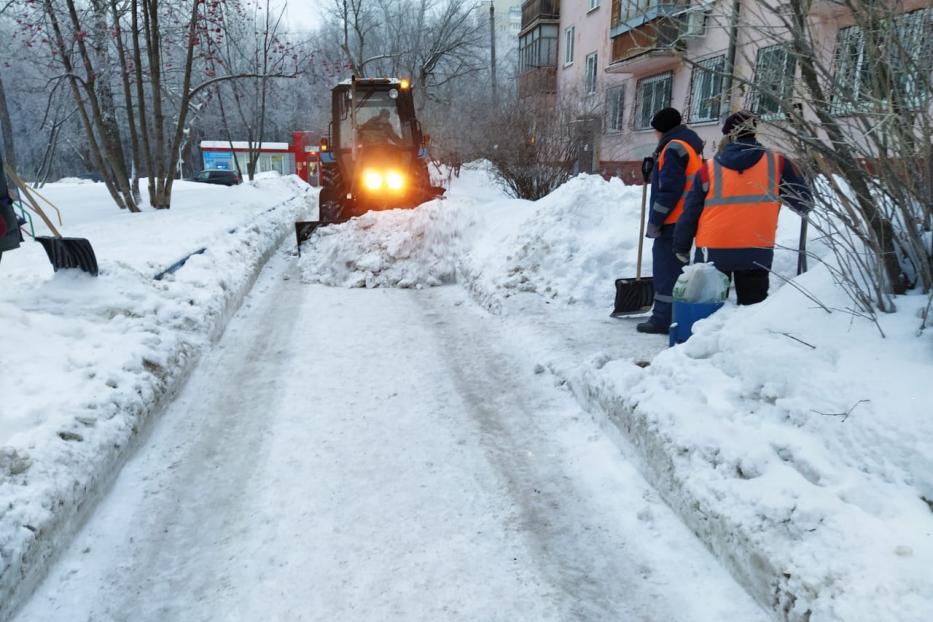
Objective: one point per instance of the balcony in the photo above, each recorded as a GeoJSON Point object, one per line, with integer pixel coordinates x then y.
{"type": "Point", "coordinates": [537, 11]}
{"type": "Point", "coordinates": [650, 48]}
{"type": "Point", "coordinates": [636, 13]}
{"type": "Point", "coordinates": [537, 81]}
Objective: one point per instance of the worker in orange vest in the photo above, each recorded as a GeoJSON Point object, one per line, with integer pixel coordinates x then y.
{"type": "Point", "coordinates": [732, 210]}
{"type": "Point", "coordinates": [676, 160]}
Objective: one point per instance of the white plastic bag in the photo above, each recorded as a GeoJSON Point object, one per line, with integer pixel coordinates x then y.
{"type": "Point", "coordinates": [701, 283]}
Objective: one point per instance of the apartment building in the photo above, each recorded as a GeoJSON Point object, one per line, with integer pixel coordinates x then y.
{"type": "Point", "coordinates": [582, 81]}
{"type": "Point", "coordinates": [620, 61]}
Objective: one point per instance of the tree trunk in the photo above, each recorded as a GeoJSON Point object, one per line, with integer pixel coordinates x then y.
{"type": "Point", "coordinates": [128, 96]}
{"type": "Point", "coordinates": [93, 145]}
{"type": "Point", "coordinates": [146, 145]}
{"type": "Point", "coordinates": [109, 126]}
{"type": "Point", "coordinates": [9, 152]}
{"type": "Point", "coordinates": [183, 108]}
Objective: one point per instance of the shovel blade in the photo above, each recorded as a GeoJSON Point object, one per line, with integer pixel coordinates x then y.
{"type": "Point", "coordinates": [303, 231]}
{"type": "Point", "coordinates": [633, 296]}
{"type": "Point", "coordinates": [70, 253]}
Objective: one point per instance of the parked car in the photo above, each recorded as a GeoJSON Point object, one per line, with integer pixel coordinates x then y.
{"type": "Point", "coordinates": [222, 177]}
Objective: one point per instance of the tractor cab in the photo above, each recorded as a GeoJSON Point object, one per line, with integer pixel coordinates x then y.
{"type": "Point", "coordinates": [383, 117]}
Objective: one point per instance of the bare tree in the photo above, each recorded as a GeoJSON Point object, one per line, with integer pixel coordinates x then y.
{"type": "Point", "coordinates": [532, 147]}
{"type": "Point", "coordinates": [252, 45]}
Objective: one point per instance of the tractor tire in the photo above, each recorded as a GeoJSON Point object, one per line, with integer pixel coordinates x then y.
{"type": "Point", "coordinates": [331, 211]}
{"type": "Point", "coordinates": [332, 199]}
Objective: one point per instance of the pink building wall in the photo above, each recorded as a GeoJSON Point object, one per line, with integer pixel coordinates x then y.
{"type": "Point", "coordinates": [620, 153]}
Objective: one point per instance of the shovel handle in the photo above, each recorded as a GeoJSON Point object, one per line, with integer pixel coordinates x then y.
{"type": "Point", "coordinates": [641, 229]}
{"type": "Point", "coordinates": [58, 212]}
{"type": "Point", "coordinates": [802, 246]}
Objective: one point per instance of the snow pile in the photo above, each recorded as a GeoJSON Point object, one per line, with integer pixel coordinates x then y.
{"type": "Point", "coordinates": [86, 360]}
{"type": "Point", "coordinates": [799, 444]}
{"type": "Point", "coordinates": [396, 248]}
{"type": "Point", "coordinates": [568, 247]}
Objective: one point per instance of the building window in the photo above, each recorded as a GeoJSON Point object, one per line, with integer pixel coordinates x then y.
{"type": "Point", "coordinates": [630, 9]}
{"type": "Point", "coordinates": [706, 89]}
{"type": "Point", "coordinates": [591, 72]}
{"type": "Point", "coordinates": [654, 93]}
{"type": "Point", "coordinates": [906, 54]}
{"type": "Point", "coordinates": [615, 100]}
{"type": "Point", "coordinates": [774, 80]}
{"type": "Point", "coordinates": [538, 48]}
{"type": "Point", "coordinates": [568, 45]}
{"type": "Point", "coordinates": [594, 4]}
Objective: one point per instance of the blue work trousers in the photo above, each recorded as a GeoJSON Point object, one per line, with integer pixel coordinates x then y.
{"type": "Point", "coordinates": [666, 270]}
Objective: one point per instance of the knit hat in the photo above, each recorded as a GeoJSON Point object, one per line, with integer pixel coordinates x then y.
{"type": "Point", "coordinates": [665, 120]}
{"type": "Point", "coordinates": [740, 124]}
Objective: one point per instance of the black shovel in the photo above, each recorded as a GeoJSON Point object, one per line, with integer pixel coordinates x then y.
{"type": "Point", "coordinates": [64, 253]}
{"type": "Point", "coordinates": [303, 231]}
{"type": "Point", "coordinates": [637, 295]}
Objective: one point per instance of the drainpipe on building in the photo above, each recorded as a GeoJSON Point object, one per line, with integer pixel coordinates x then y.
{"type": "Point", "coordinates": [725, 106]}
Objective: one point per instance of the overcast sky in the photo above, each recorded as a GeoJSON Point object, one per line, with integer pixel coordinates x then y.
{"type": "Point", "coordinates": [303, 14]}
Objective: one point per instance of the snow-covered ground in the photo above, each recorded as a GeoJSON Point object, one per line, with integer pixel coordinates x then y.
{"type": "Point", "coordinates": [380, 455]}
{"type": "Point", "coordinates": [796, 442]}
{"type": "Point", "coordinates": [84, 360]}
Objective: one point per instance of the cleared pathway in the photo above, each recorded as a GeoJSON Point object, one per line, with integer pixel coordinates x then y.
{"type": "Point", "coordinates": [349, 455]}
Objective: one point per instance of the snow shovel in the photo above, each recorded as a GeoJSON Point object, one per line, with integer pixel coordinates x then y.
{"type": "Point", "coordinates": [64, 253]}
{"type": "Point", "coordinates": [637, 295]}
{"type": "Point", "coordinates": [303, 231]}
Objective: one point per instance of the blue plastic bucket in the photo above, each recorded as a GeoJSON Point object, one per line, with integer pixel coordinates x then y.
{"type": "Point", "coordinates": [685, 314]}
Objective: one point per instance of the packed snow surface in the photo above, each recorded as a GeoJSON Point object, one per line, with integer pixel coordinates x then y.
{"type": "Point", "coordinates": [399, 461]}
{"type": "Point", "coordinates": [84, 360]}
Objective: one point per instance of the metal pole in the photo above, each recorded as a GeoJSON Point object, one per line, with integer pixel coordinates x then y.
{"type": "Point", "coordinates": [353, 115]}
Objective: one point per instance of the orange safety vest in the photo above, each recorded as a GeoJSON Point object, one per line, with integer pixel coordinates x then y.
{"type": "Point", "coordinates": [694, 164]}
{"type": "Point", "coordinates": [741, 207]}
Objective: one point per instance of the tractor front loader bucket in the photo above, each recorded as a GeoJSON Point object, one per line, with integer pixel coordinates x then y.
{"type": "Point", "coordinates": [303, 231]}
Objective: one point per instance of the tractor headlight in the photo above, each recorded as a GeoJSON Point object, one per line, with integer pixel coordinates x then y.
{"type": "Point", "coordinates": [394, 180]}
{"type": "Point", "coordinates": [372, 180]}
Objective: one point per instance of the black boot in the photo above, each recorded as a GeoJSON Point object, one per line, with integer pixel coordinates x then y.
{"type": "Point", "coordinates": [652, 328]}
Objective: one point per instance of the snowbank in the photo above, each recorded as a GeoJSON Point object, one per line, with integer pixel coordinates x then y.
{"type": "Point", "coordinates": [85, 361]}
{"type": "Point", "coordinates": [799, 445]}
{"type": "Point", "coordinates": [568, 247]}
